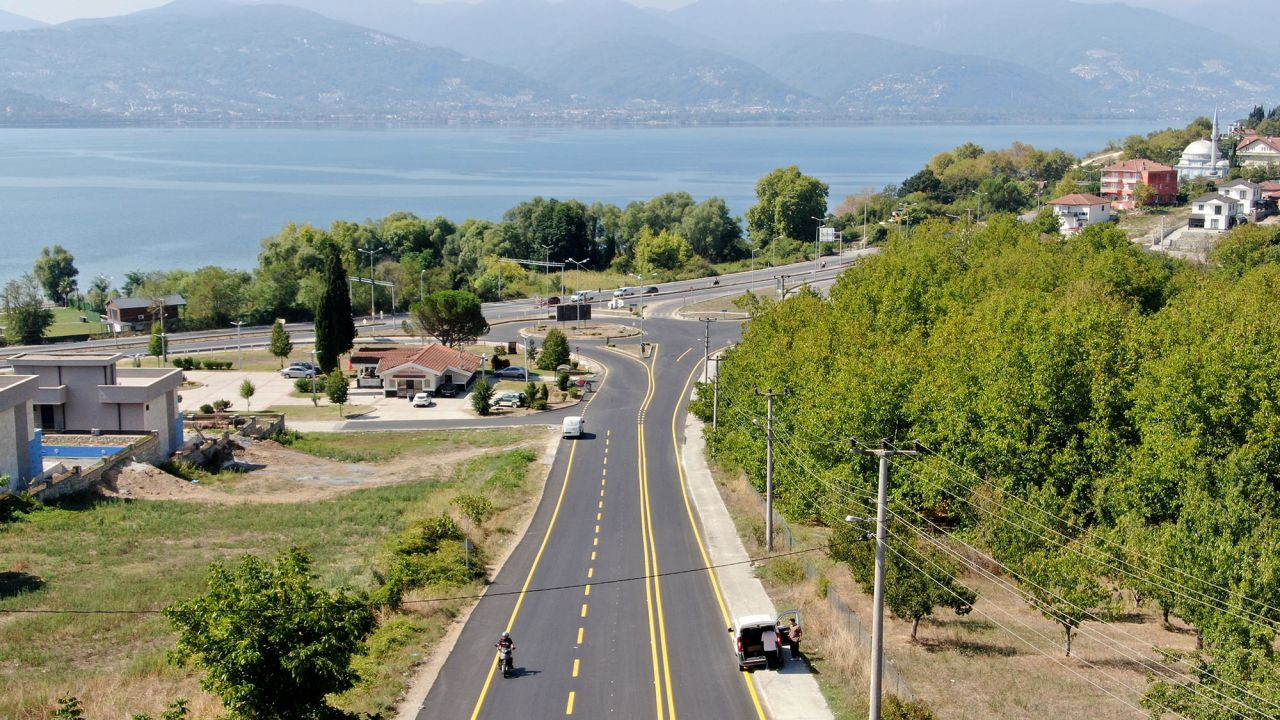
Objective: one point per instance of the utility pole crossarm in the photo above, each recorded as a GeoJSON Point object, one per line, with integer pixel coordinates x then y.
{"type": "Point", "coordinates": [885, 452]}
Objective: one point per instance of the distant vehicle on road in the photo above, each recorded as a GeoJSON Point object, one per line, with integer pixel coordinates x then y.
{"type": "Point", "coordinates": [553, 300]}
{"type": "Point", "coordinates": [624, 292]}
{"type": "Point", "coordinates": [297, 371]}
{"type": "Point", "coordinates": [574, 426]}
{"type": "Point", "coordinates": [422, 399]}
{"type": "Point", "coordinates": [651, 290]}
{"type": "Point", "coordinates": [582, 296]}
{"type": "Point", "coordinates": [511, 371]}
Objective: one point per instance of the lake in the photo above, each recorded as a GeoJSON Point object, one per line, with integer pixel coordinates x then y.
{"type": "Point", "coordinates": [145, 198]}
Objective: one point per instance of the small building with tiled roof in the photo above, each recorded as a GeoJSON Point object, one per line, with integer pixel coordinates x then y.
{"type": "Point", "coordinates": [1270, 190]}
{"type": "Point", "coordinates": [1078, 211]}
{"type": "Point", "coordinates": [1248, 194]}
{"type": "Point", "coordinates": [1120, 180]}
{"type": "Point", "coordinates": [403, 371]}
{"type": "Point", "coordinates": [1254, 149]}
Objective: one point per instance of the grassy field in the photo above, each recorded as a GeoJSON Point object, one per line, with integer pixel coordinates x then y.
{"type": "Point", "coordinates": [322, 412]}
{"type": "Point", "coordinates": [1139, 224]}
{"type": "Point", "coordinates": [66, 321]}
{"type": "Point", "coordinates": [382, 446]}
{"type": "Point", "coordinates": [143, 555]}
{"type": "Point", "coordinates": [720, 304]}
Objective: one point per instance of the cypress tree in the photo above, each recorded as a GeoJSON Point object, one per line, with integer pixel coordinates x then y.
{"type": "Point", "coordinates": [335, 328]}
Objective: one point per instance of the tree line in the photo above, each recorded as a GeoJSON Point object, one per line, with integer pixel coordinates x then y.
{"type": "Point", "coordinates": [1100, 419]}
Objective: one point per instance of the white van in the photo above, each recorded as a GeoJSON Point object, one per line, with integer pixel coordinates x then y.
{"type": "Point", "coordinates": [624, 292]}
{"type": "Point", "coordinates": [582, 296]}
{"type": "Point", "coordinates": [573, 426]}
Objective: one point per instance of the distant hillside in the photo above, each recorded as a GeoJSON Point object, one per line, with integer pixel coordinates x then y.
{"type": "Point", "coordinates": [1120, 59]}
{"type": "Point", "coordinates": [644, 71]}
{"type": "Point", "coordinates": [10, 22]}
{"type": "Point", "coordinates": [868, 77]}
{"type": "Point", "coordinates": [211, 61]}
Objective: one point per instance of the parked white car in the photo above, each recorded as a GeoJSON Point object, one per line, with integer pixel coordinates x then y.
{"type": "Point", "coordinates": [422, 399]}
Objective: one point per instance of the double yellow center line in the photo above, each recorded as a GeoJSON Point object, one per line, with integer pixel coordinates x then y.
{"type": "Point", "coordinates": [653, 584]}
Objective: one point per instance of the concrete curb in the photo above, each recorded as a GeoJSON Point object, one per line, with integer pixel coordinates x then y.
{"type": "Point", "coordinates": [793, 693]}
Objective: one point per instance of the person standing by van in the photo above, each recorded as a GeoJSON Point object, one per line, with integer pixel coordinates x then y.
{"type": "Point", "coordinates": [793, 634]}
{"type": "Point", "coordinates": [773, 659]}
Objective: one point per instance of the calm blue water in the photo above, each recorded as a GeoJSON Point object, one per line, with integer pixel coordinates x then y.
{"type": "Point", "coordinates": [125, 199]}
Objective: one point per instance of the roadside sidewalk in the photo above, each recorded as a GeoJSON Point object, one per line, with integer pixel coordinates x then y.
{"type": "Point", "coordinates": [792, 693]}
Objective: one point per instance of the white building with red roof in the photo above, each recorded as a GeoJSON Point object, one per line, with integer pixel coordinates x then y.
{"type": "Point", "coordinates": [404, 371]}
{"type": "Point", "coordinates": [1254, 149]}
{"type": "Point", "coordinates": [1078, 211]}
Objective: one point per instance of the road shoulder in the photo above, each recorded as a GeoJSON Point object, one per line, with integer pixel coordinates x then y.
{"type": "Point", "coordinates": [785, 695]}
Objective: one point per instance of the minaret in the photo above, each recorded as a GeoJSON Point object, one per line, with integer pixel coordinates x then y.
{"type": "Point", "coordinates": [1213, 141]}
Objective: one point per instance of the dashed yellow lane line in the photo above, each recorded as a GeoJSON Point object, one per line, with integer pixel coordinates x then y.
{"type": "Point", "coordinates": [580, 632]}
{"type": "Point", "coordinates": [575, 667]}
{"type": "Point", "coordinates": [591, 572]}
{"type": "Point", "coordinates": [568, 710]}
{"type": "Point", "coordinates": [584, 609]}
{"type": "Point", "coordinates": [587, 590]}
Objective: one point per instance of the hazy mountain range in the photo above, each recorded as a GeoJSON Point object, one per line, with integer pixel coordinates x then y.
{"type": "Point", "coordinates": [530, 60]}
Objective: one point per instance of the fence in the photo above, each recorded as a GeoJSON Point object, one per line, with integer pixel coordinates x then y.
{"type": "Point", "coordinates": [891, 678]}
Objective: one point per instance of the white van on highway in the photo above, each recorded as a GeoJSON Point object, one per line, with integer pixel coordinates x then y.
{"type": "Point", "coordinates": [582, 296]}
{"type": "Point", "coordinates": [574, 426]}
{"type": "Point", "coordinates": [624, 292]}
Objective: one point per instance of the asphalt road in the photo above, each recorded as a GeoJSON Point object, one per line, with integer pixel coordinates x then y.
{"type": "Point", "coordinates": [605, 596]}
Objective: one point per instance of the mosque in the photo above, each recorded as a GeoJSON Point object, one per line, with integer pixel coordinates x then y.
{"type": "Point", "coordinates": [1202, 159]}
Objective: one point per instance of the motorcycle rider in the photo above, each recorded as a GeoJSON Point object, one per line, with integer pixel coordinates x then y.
{"type": "Point", "coordinates": [508, 646]}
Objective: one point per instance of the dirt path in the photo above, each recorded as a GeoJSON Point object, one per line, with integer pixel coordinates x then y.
{"type": "Point", "coordinates": [281, 475]}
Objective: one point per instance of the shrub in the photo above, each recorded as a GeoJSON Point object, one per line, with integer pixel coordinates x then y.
{"type": "Point", "coordinates": [184, 363]}
{"type": "Point", "coordinates": [206, 409]}
{"type": "Point", "coordinates": [481, 396]}
{"type": "Point", "coordinates": [220, 405]}
{"type": "Point", "coordinates": [562, 381]}
{"type": "Point", "coordinates": [530, 394]}
{"type": "Point", "coordinates": [304, 385]}
{"type": "Point", "coordinates": [475, 508]}
{"type": "Point", "coordinates": [824, 586]}
{"type": "Point", "coordinates": [575, 393]}
{"type": "Point", "coordinates": [895, 708]}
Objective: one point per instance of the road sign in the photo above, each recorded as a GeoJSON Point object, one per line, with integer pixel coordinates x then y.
{"type": "Point", "coordinates": [574, 311]}
{"type": "Point", "coordinates": [828, 234]}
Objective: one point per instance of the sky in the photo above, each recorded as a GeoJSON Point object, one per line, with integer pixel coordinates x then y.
{"type": "Point", "coordinates": [56, 11]}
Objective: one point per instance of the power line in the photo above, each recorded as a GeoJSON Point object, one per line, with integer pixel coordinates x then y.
{"type": "Point", "coordinates": [477, 596]}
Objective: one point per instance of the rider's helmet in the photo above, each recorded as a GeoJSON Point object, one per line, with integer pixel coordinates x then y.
{"type": "Point", "coordinates": [505, 634]}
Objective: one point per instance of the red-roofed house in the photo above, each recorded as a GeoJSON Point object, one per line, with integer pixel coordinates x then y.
{"type": "Point", "coordinates": [1255, 149]}
{"type": "Point", "coordinates": [1120, 180]}
{"type": "Point", "coordinates": [1271, 190]}
{"type": "Point", "coordinates": [1079, 210]}
{"type": "Point", "coordinates": [403, 371]}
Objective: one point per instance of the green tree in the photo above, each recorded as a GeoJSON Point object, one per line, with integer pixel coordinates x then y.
{"type": "Point", "coordinates": [56, 270]}
{"type": "Point", "coordinates": [215, 296]}
{"type": "Point", "coordinates": [98, 295]}
{"type": "Point", "coordinates": [787, 203]}
{"type": "Point", "coordinates": [713, 233]}
{"type": "Point", "coordinates": [69, 708]}
{"type": "Point", "coordinates": [281, 345]}
{"type": "Point", "coordinates": [476, 508]}
{"type": "Point", "coordinates": [25, 317]}
{"type": "Point", "coordinates": [916, 581]}
{"type": "Point", "coordinates": [247, 390]}
{"type": "Point", "coordinates": [481, 396]}
{"type": "Point", "coordinates": [335, 326]}
{"type": "Point", "coordinates": [1144, 195]}
{"type": "Point", "coordinates": [664, 251]}
{"type": "Point", "coordinates": [555, 351]}
{"type": "Point", "coordinates": [157, 346]}
{"type": "Point", "coordinates": [272, 643]}
{"type": "Point", "coordinates": [1064, 587]}
{"type": "Point", "coordinates": [335, 388]}
{"type": "Point", "coordinates": [453, 317]}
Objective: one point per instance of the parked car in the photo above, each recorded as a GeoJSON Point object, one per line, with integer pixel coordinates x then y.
{"type": "Point", "coordinates": [297, 371]}
{"type": "Point", "coordinates": [582, 296]}
{"type": "Point", "coordinates": [301, 363]}
{"type": "Point", "coordinates": [651, 290]}
{"type": "Point", "coordinates": [511, 371]}
{"type": "Point", "coordinates": [422, 399]}
{"type": "Point", "coordinates": [447, 390]}
{"type": "Point", "coordinates": [553, 300]}
{"type": "Point", "coordinates": [509, 399]}
{"type": "Point", "coordinates": [624, 292]}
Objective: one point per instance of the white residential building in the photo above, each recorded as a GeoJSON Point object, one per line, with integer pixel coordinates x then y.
{"type": "Point", "coordinates": [1248, 194]}
{"type": "Point", "coordinates": [1079, 210]}
{"type": "Point", "coordinates": [1213, 212]}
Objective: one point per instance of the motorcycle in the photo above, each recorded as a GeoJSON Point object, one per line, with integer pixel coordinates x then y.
{"type": "Point", "coordinates": [505, 661]}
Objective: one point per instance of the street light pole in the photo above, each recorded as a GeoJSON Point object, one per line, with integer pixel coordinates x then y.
{"type": "Point", "coordinates": [422, 292]}
{"type": "Point", "coordinates": [817, 241]}
{"type": "Point", "coordinates": [372, 288]}
{"type": "Point", "coordinates": [239, 354]}
{"type": "Point", "coordinates": [769, 395]}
